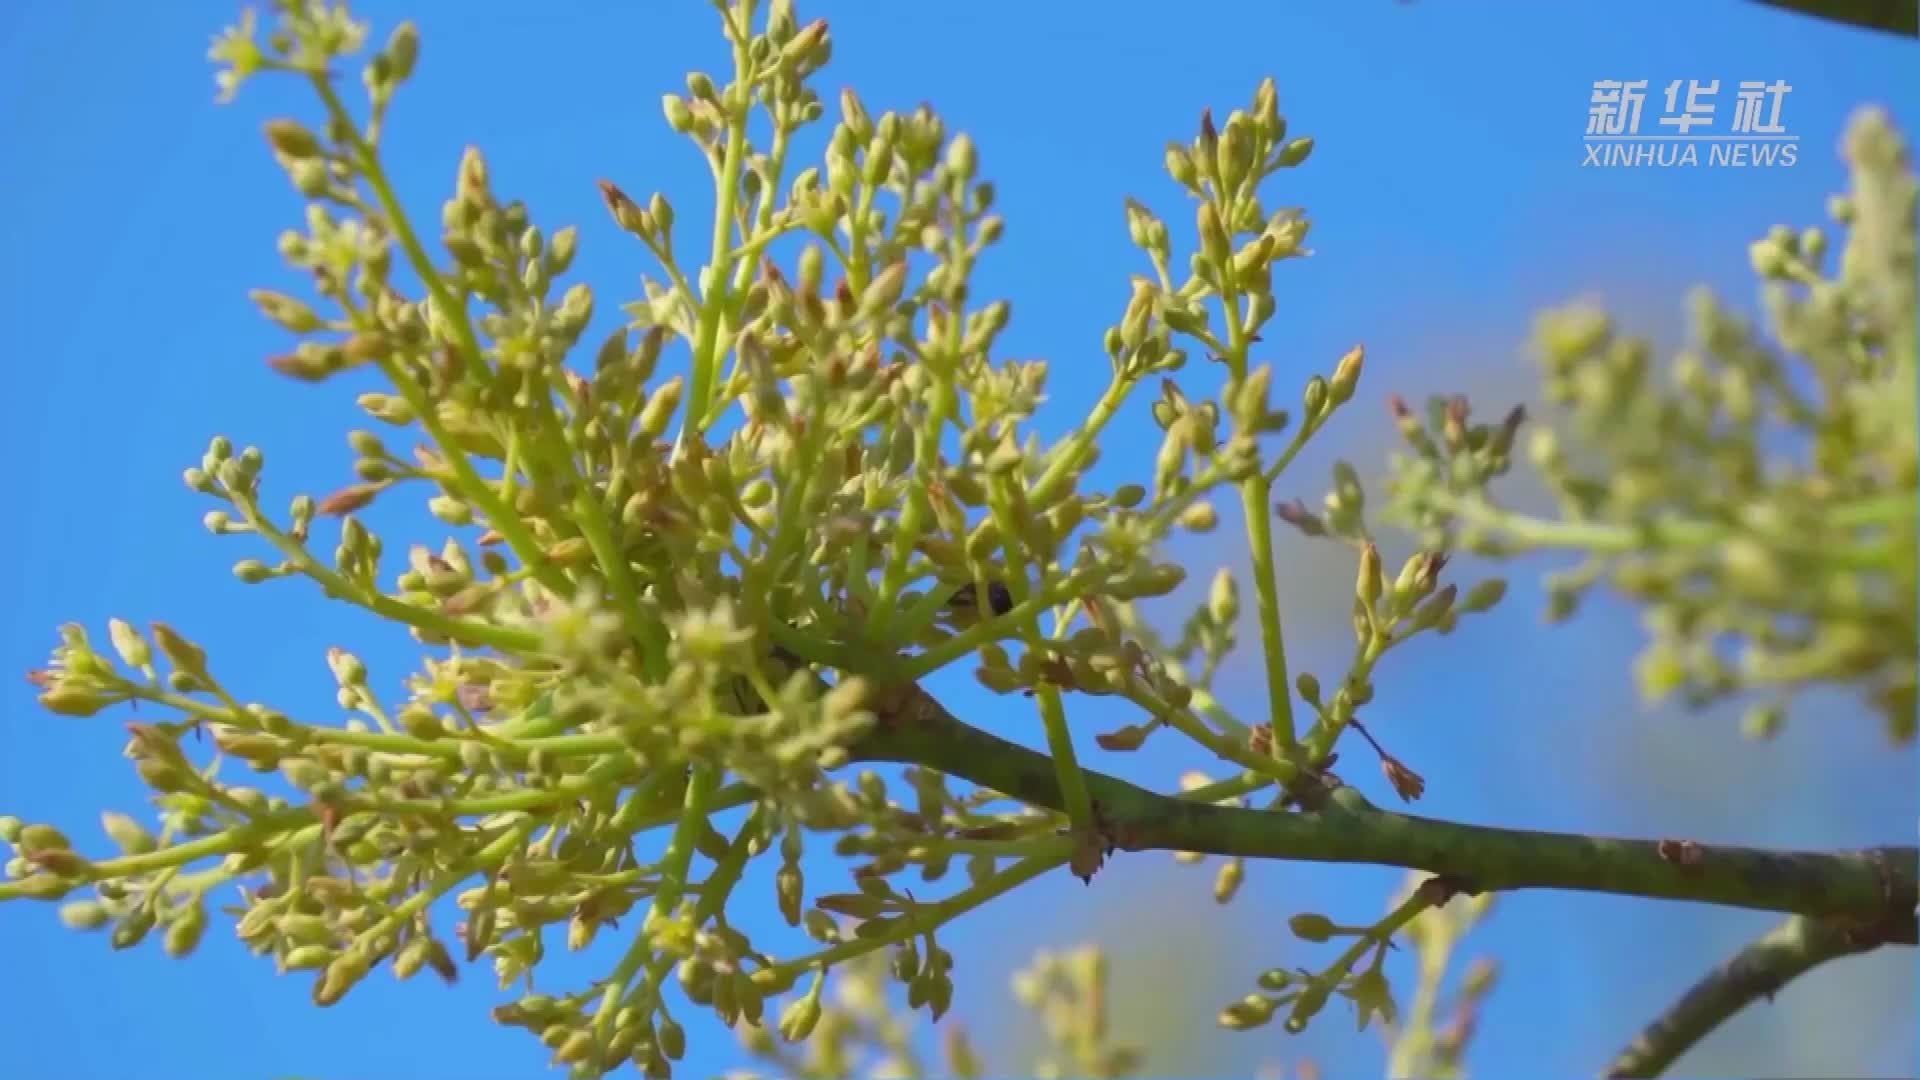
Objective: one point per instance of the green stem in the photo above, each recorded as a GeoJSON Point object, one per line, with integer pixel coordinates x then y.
{"type": "Point", "coordinates": [504, 638]}
{"type": "Point", "coordinates": [1873, 884]}
{"type": "Point", "coordinates": [959, 645]}
{"type": "Point", "coordinates": [726, 873]}
{"type": "Point", "coordinates": [926, 917]}
{"type": "Point", "coordinates": [1053, 714]}
{"type": "Point", "coordinates": [718, 293]}
{"type": "Point", "coordinates": [1254, 493]}
{"type": "Point", "coordinates": [1068, 460]}
{"type": "Point", "coordinates": [907, 528]}
{"type": "Point", "coordinates": [1079, 804]}
{"type": "Point", "coordinates": [1274, 769]}
{"type": "Point", "coordinates": [1783, 954]}
{"type": "Point", "coordinates": [489, 856]}
{"type": "Point", "coordinates": [1382, 932]}
{"type": "Point", "coordinates": [1301, 434]}
{"type": "Point", "coordinates": [673, 881]}
{"type": "Point", "coordinates": [591, 518]}
{"type": "Point", "coordinates": [497, 512]}
{"type": "Point", "coordinates": [1672, 532]}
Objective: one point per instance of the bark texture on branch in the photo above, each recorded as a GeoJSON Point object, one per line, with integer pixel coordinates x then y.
{"type": "Point", "coordinates": [1868, 888]}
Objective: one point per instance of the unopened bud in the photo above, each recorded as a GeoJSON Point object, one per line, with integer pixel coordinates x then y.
{"type": "Point", "coordinates": [1346, 375]}
{"type": "Point", "coordinates": [1370, 582]}
{"type": "Point", "coordinates": [291, 138]}
{"type": "Point", "coordinates": [1308, 926]}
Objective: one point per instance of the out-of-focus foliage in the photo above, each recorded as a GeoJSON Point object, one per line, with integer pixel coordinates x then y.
{"type": "Point", "coordinates": [1755, 496]}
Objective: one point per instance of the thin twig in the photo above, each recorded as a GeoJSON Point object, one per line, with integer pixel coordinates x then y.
{"type": "Point", "coordinates": [1787, 951]}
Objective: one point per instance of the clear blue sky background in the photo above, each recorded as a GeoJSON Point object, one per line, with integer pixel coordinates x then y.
{"type": "Point", "coordinates": [1449, 206]}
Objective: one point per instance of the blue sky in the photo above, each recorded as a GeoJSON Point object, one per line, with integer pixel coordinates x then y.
{"type": "Point", "coordinates": [1449, 205]}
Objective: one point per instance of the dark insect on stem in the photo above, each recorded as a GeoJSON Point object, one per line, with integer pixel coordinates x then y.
{"type": "Point", "coordinates": [999, 599]}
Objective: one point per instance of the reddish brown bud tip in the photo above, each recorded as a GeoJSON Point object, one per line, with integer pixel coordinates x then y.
{"type": "Point", "coordinates": [347, 500]}
{"type": "Point", "coordinates": [1260, 739]}
{"type": "Point", "coordinates": [1406, 783]}
{"type": "Point", "coordinates": [626, 212]}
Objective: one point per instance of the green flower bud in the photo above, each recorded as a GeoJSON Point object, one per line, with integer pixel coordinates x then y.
{"type": "Point", "coordinates": [576, 1047]}
{"type": "Point", "coordinates": [72, 698]}
{"type": "Point", "coordinates": [185, 932]}
{"type": "Point", "coordinates": [403, 49]}
{"type": "Point", "coordinates": [128, 643]}
{"type": "Point", "coordinates": [1226, 881]}
{"type": "Point", "coordinates": [1248, 1013]}
{"type": "Point", "coordinates": [1287, 234]}
{"type": "Point", "coordinates": [289, 313]}
{"type": "Point", "coordinates": [660, 406]}
{"type": "Point", "coordinates": [1308, 926]}
{"type": "Point", "coordinates": [1294, 152]}
{"type": "Point", "coordinates": [961, 157]}
{"type": "Point", "coordinates": [309, 177]}
{"type": "Point", "coordinates": [348, 670]}
{"type": "Point", "coordinates": [1275, 979]}
{"type": "Point", "coordinates": [1266, 111]}
{"type": "Point", "coordinates": [1200, 517]}
{"type": "Point", "coordinates": [420, 722]}
{"type": "Point", "coordinates": [305, 773]}
{"type": "Point", "coordinates": [788, 887]}
{"type": "Point", "coordinates": [252, 571]}
{"type": "Point", "coordinates": [799, 1018]}
{"type": "Point", "coordinates": [1234, 154]}
{"type": "Point", "coordinates": [1213, 235]}
{"type": "Point", "coordinates": [85, 915]}
{"type": "Point", "coordinates": [1483, 596]}
{"type": "Point", "coordinates": [291, 139]}
{"type": "Point", "coordinates": [1180, 166]}
{"type": "Point", "coordinates": [679, 115]}
{"type": "Point", "coordinates": [184, 655]}
{"type": "Point", "coordinates": [341, 975]}
{"type": "Point", "coordinates": [36, 839]}
{"type": "Point", "coordinates": [132, 929]}
{"type": "Point", "coordinates": [1122, 740]}
{"type": "Point", "coordinates": [450, 510]}
{"type": "Point", "coordinates": [1371, 581]}
{"type": "Point", "coordinates": [1309, 688]}
{"type": "Point", "coordinates": [1346, 375]}
{"type": "Point", "coordinates": [1314, 399]}
{"type": "Point", "coordinates": [1248, 264]}
{"type": "Point", "coordinates": [128, 835]}
{"type": "Point", "coordinates": [1151, 581]}
{"type": "Point", "coordinates": [1000, 680]}
{"type": "Point", "coordinates": [884, 291]}
{"type": "Point", "coordinates": [672, 1039]}
{"type": "Point", "coordinates": [1437, 608]}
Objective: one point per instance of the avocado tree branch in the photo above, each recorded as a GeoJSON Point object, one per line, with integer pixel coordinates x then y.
{"type": "Point", "coordinates": [1783, 954]}
{"type": "Point", "coordinates": [1891, 16]}
{"type": "Point", "coordinates": [1872, 887]}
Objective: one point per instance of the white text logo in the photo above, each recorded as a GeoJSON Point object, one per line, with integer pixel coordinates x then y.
{"type": "Point", "coordinates": [1685, 131]}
